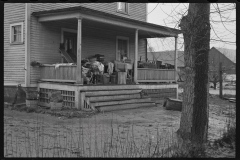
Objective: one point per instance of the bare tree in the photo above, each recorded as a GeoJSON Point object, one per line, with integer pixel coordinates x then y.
{"type": "Point", "coordinates": [214, 77]}
{"type": "Point", "coordinates": [196, 32]}
{"type": "Point", "coordinates": [196, 35]}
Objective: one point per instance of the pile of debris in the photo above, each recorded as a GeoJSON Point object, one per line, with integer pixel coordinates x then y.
{"type": "Point", "coordinates": [230, 99]}
{"type": "Point", "coordinates": [56, 100]}
{"type": "Point", "coordinates": [172, 104]}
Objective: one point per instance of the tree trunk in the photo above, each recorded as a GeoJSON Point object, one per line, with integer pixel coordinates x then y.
{"type": "Point", "coordinates": [196, 32]}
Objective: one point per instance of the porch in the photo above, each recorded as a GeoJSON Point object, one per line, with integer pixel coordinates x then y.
{"type": "Point", "coordinates": [82, 22]}
{"type": "Point", "coordinates": [113, 37]}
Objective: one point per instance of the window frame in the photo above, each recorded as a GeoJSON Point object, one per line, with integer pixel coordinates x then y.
{"type": "Point", "coordinates": [11, 32]}
{"type": "Point", "coordinates": [127, 8]}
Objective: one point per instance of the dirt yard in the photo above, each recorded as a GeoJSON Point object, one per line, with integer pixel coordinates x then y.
{"type": "Point", "coordinates": [44, 135]}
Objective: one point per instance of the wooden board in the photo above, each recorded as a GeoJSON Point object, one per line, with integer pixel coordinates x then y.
{"type": "Point", "coordinates": [172, 104]}
{"type": "Point", "coordinates": [154, 75]}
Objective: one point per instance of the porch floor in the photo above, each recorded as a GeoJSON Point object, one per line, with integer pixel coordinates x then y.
{"type": "Point", "coordinates": [100, 84]}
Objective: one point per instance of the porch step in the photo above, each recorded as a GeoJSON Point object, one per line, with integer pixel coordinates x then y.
{"type": "Point", "coordinates": [128, 101]}
{"type": "Point", "coordinates": [124, 106]}
{"type": "Point", "coordinates": [114, 92]}
{"type": "Point", "coordinates": [113, 97]}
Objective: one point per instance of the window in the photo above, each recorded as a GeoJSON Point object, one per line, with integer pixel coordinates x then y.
{"type": "Point", "coordinates": [16, 33]}
{"type": "Point", "coordinates": [122, 48]}
{"type": "Point", "coordinates": [122, 7]}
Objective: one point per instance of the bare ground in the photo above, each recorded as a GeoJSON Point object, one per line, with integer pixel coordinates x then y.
{"type": "Point", "coordinates": [43, 135]}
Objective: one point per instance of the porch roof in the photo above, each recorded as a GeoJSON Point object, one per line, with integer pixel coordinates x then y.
{"type": "Point", "coordinates": [146, 30]}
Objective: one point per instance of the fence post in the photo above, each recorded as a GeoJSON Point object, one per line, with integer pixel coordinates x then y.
{"type": "Point", "coordinates": [220, 79]}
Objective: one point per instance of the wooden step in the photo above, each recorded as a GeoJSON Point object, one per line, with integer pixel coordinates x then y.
{"type": "Point", "coordinates": [116, 92]}
{"type": "Point", "coordinates": [128, 101]}
{"type": "Point", "coordinates": [124, 106]}
{"type": "Point", "coordinates": [113, 97]}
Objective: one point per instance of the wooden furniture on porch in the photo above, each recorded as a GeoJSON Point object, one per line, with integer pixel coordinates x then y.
{"type": "Point", "coordinates": [124, 70]}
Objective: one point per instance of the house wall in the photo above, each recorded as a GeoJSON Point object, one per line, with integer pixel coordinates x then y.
{"type": "Point", "coordinates": [215, 57]}
{"type": "Point", "coordinates": [46, 37]}
{"type": "Point", "coordinates": [14, 55]}
{"type": "Point", "coordinates": [137, 11]}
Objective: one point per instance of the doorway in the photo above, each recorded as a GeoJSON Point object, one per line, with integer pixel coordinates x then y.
{"type": "Point", "coordinates": [122, 48]}
{"type": "Point", "coordinates": [70, 45]}
{"type": "Point", "coordinates": [69, 42]}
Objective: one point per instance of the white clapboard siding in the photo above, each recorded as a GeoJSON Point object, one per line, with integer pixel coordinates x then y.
{"type": "Point", "coordinates": [14, 55]}
{"type": "Point", "coordinates": [46, 37]}
{"type": "Point", "coordinates": [137, 11]}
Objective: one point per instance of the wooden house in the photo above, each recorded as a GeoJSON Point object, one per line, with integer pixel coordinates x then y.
{"type": "Point", "coordinates": [33, 32]}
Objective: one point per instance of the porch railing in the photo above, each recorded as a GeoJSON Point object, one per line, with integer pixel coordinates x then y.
{"type": "Point", "coordinates": [156, 75]}
{"type": "Point", "coordinates": [68, 74]}
{"type": "Point", "coordinates": [60, 74]}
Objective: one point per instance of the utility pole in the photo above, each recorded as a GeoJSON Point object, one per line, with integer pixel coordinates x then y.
{"type": "Point", "coordinates": [220, 79]}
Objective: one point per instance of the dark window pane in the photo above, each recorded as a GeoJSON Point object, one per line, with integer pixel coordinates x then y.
{"type": "Point", "coordinates": [16, 33]}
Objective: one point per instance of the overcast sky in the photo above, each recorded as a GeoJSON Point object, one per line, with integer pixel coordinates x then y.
{"type": "Point", "coordinates": [169, 14]}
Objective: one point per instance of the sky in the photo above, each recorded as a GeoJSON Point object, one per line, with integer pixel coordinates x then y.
{"type": "Point", "coordinates": [169, 14]}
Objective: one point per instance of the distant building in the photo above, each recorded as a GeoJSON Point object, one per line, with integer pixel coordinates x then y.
{"type": "Point", "coordinates": [215, 57]}
{"type": "Point", "coordinates": [167, 57]}
{"type": "Point", "coordinates": [229, 53]}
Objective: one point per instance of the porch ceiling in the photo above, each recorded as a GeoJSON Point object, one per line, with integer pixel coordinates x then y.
{"type": "Point", "coordinates": [107, 21]}
{"type": "Point", "coordinates": [113, 28]}
{"type": "Point", "coordinates": [105, 26]}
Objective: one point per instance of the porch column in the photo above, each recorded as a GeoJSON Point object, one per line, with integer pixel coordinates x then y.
{"type": "Point", "coordinates": [175, 58]}
{"type": "Point", "coordinates": [79, 53]}
{"type": "Point", "coordinates": [136, 57]}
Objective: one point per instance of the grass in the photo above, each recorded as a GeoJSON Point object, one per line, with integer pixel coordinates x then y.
{"type": "Point", "coordinates": [94, 140]}
{"type": "Point", "coordinates": [100, 140]}
{"type": "Point", "coordinates": [228, 137]}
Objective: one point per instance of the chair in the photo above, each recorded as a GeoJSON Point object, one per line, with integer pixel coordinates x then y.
{"type": "Point", "coordinates": [123, 70]}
